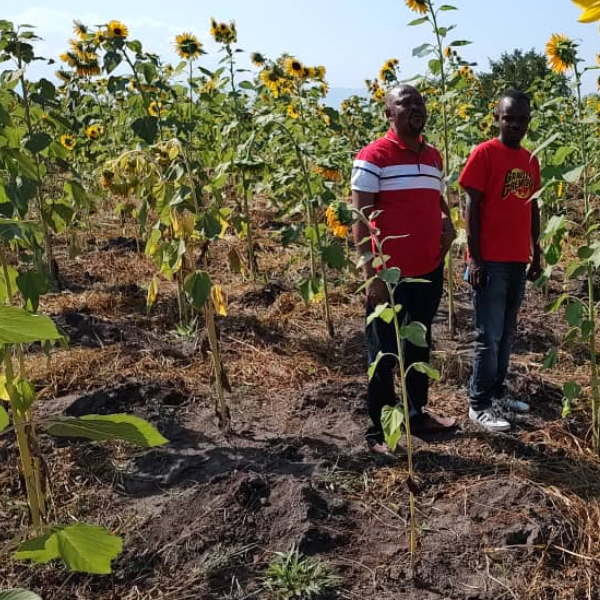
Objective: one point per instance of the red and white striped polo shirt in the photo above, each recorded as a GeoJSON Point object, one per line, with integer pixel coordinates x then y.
{"type": "Point", "coordinates": [408, 186]}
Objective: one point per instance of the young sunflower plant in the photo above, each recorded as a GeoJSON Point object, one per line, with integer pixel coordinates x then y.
{"type": "Point", "coordinates": [439, 66]}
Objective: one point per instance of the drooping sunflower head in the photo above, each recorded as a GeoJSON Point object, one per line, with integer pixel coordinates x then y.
{"type": "Point", "coordinates": [188, 46]}
{"type": "Point", "coordinates": [561, 53]}
{"type": "Point", "coordinates": [63, 75]}
{"type": "Point", "coordinates": [93, 132]}
{"type": "Point", "coordinates": [257, 59]}
{"type": "Point", "coordinates": [80, 30]}
{"type": "Point", "coordinates": [67, 141]}
{"type": "Point", "coordinates": [388, 70]}
{"type": "Point", "coordinates": [293, 67]}
{"type": "Point", "coordinates": [418, 6]}
{"type": "Point", "coordinates": [116, 29]}
{"type": "Point", "coordinates": [320, 72]}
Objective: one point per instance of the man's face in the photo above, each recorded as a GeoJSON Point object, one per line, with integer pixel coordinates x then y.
{"type": "Point", "coordinates": [513, 119]}
{"type": "Point", "coordinates": [406, 111]}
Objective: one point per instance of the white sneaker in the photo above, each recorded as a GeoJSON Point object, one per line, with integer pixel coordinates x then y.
{"type": "Point", "coordinates": [513, 404]}
{"type": "Point", "coordinates": [488, 419]}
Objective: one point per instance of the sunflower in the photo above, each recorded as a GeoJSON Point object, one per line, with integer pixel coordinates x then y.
{"type": "Point", "coordinates": [388, 70]}
{"type": "Point", "coordinates": [93, 132]}
{"type": "Point", "coordinates": [63, 75]}
{"type": "Point", "coordinates": [223, 33]}
{"type": "Point", "coordinates": [324, 88]}
{"type": "Point", "coordinates": [561, 53]}
{"type": "Point", "coordinates": [418, 6]}
{"type": "Point", "coordinates": [156, 109]}
{"type": "Point", "coordinates": [69, 58]}
{"type": "Point", "coordinates": [68, 141]}
{"type": "Point", "coordinates": [591, 10]}
{"type": "Point", "coordinates": [116, 29]}
{"type": "Point", "coordinates": [257, 59]}
{"type": "Point", "coordinates": [339, 218]}
{"type": "Point", "coordinates": [293, 67]}
{"type": "Point", "coordinates": [100, 36]}
{"type": "Point", "coordinates": [271, 81]}
{"type": "Point", "coordinates": [80, 30]}
{"type": "Point", "coordinates": [448, 52]}
{"type": "Point", "coordinates": [292, 112]}
{"type": "Point", "coordinates": [462, 111]}
{"type": "Point", "coordinates": [106, 179]}
{"type": "Point", "coordinates": [188, 46]}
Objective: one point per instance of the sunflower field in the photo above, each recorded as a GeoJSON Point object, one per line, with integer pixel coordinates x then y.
{"type": "Point", "coordinates": [182, 370]}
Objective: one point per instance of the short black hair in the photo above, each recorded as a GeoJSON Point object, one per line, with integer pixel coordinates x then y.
{"type": "Point", "coordinates": [516, 95]}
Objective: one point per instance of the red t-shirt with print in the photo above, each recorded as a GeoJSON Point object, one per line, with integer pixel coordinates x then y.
{"type": "Point", "coordinates": [507, 177]}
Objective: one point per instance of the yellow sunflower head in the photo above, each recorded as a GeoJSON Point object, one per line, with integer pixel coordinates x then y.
{"type": "Point", "coordinates": [418, 6]}
{"type": "Point", "coordinates": [257, 59]}
{"type": "Point", "coordinates": [591, 10]}
{"type": "Point", "coordinates": [116, 29]}
{"type": "Point", "coordinates": [561, 53]}
{"type": "Point", "coordinates": [320, 72]}
{"type": "Point", "coordinates": [93, 132]}
{"type": "Point", "coordinates": [80, 30]}
{"type": "Point", "coordinates": [156, 109]}
{"type": "Point", "coordinates": [63, 75]}
{"type": "Point", "coordinates": [67, 141]}
{"type": "Point", "coordinates": [188, 46]}
{"type": "Point", "coordinates": [293, 67]}
{"type": "Point", "coordinates": [388, 70]}
{"type": "Point", "coordinates": [223, 33]}
{"type": "Point", "coordinates": [292, 112]}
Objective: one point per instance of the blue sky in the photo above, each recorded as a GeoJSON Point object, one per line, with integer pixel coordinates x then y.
{"type": "Point", "coordinates": [352, 38]}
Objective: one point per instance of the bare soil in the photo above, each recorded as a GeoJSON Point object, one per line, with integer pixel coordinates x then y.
{"type": "Point", "coordinates": [505, 516]}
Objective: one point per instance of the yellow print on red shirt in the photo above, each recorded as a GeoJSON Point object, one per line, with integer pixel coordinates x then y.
{"type": "Point", "coordinates": [517, 182]}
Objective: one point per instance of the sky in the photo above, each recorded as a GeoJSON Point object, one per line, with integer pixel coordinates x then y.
{"type": "Point", "coordinates": [351, 38]}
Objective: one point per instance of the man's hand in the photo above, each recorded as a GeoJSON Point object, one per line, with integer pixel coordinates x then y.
{"type": "Point", "coordinates": [535, 268]}
{"type": "Point", "coordinates": [476, 274]}
{"type": "Point", "coordinates": [448, 235]}
{"type": "Point", "coordinates": [377, 292]}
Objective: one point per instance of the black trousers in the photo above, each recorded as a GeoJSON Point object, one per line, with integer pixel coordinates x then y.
{"type": "Point", "coordinates": [419, 302]}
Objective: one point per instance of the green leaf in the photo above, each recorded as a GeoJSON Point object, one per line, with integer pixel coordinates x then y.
{"type": "Point", "coordinates": [146, 128]}
{"type": "Point", "coordinates": [422, 50]}
{"type": "Point", "coordinates": [551, 359]}
{"type": "Point", "coordinates": [418, 21]}
{"type": "Point", "coordinates": [334, 256]}
{"type": "Point", "coordinates": [18, 594]}
{"type": "Point", "coordinates": [311, 289]}
{"type": "Point", "coordinates": [435, 66]}
{"type": "Point", "coordinates": [571, 390]}
{"type": "Point", "coordinates": [460, 43]}
{"type": "Point", "coordinates": [4, 420]}
{"type": "Point", "coordinates": [415, 333]}
{"type": "Point", "coordinates": [546, 143]}
{"type": "Point", "coordinates": [561, 154]}
{"type": "Point", "coordinates": [18, 326]}
{"type": "Point", "coordinates": [573, 175]}
{"type": "Point", "coordinates": [12, 283]}
{"type": "Point", "coordinates": [111, 61]}
{"type": "Point", "coordinates": [38, 142]}
{"type": "Point", "coordinates": [383, 312]}
{"type": "Point", "coordinates": [118, 426]}
{"type": "Point", "coordinates": [391, 275]}
{"type": "Point", "coordinates": [32, 285]}
{"type": "Point", "coordinates": [574, 314]}
{"type": "Point", "coordinates": [373, 365]}
{"type": "Point", "coordinates": [557, 303]}
{"type": "Point", "coordinates": [447, 7]}
{"type": "Point", "coordinates": [83, 548]}
{"type": "Point", "coordinates": [197, 288]}
{"type": "Point", "coordinates": [392, 418]}
{"type": "Point", "coordinates": [426, 369]}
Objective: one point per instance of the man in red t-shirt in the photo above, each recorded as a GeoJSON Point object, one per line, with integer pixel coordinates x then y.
{"type": "Point", "coordinates": [397, 180]}
{"type": "Point", "coordinates": [503, 227]}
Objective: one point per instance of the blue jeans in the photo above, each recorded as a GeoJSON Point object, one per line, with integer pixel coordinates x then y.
{"type": "Point", "coordinates": [496, 307]}
{"type": "Point", "coordinates": [419, 302]}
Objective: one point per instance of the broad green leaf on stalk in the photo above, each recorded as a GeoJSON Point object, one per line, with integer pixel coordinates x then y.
{"type": "Point", "coordinates": [574, 175]}
{"type": "Point", "coordinates": [575, 269]}
{"type": "Point", "coordinates": [37, 142]}
{"type": "Point", "coordinates": [390, 275]}
{"type": "Point", "coordinates": [18, 326]}
{"type": "Point", "coordinates": [557, 303]}
{"type": "Point", "coordinates": [23, 396]}
{"type": "Point", "coordinates": [119, 426]}
{"type": "Point", "coordinates": [460, 43]}
{"type": "Point", "coordinates": [334, 256]}
{"type": "Point", "coordinates": [32, 285]}
{"type": "Point", "coordinates": [146, 128]}
{"type": "Point", "coordinates": [4, 420]}
{"type": "Point", "coordinates": [381, 311]}
{"type": "Point", "coordinates": [553, 253]}
{"type": "Point", "coordinates": [561, 154]}
{"type": "Point", "coordinates": [12, 283]}
{"type": "Point", "coordinates": [310, 234]}
{"type": "Point", "coordinates": [5, 117]}
{"type": "Point", "coordinates": [311, 289]}
{"type": "Point", "coordinates": [571, 390]}
{"type": "Point", "coordinates": [77, 192]}
{"type": "Point", "coordinates": [27, 168]}
{"type": "Point", "coordinates": [197, 288]}
{"type": "Point", "coordinates": [415, 333]}
{"type": "Point", "coordinates": [246, 85]}
{"type": "Point", "coordinates": [379, 261]}
{"type": "Point", "coordinates": [551, 359]}
{"type": "Point", "coordinates": [373, 365]}
{"type": "Point", "coordinates": [546, 143]}
{"type": "Point", "coordinates": [111, 61]}
{"type": "Point", "coordinates": [435, 66]}
{"type": "Point", "coordinates": [134, 46]}
{"type": "Point", "coordinates": [149, 72]}
{"type": "Point", "coordinates": [585, 252]}
{"type": "Point", "coordinates": [422, 50]}
{"type": "Point", "coordinates": [364, 259]}
{"type": "Point", "coordinates": [20, 192]}
{"type": "Point", "coordinates": [571, 335]}
{"type": "Point", "coordinates": [83, 548]}
{"type": "Point", "coordinates": [426, 369]}
{"type": "Point", "coordinates": [587, 328]}
{"type": "Point", "coordinates": [18, 594]}
{"type": "Point", "coordinates": [555, 224]}
{"type": "Point", "coordinates": [392, 418]}
{"type": "Point", "coordinates": [419, 21]}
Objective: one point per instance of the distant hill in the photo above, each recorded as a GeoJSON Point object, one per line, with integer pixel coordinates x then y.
{"type": "Point", "coordinates": [337, 94]}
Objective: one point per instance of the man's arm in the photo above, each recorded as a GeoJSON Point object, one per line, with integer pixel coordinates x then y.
{"type": "Point", "coordinates": [535, 268]}
{"type": "Point", "coordinates": [376, 291]}
{"type": "Point", "coordinates": [473, 224]}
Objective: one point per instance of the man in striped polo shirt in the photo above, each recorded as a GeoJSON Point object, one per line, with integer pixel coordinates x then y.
{"type": "Point", "coordinates": [398, 179]}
